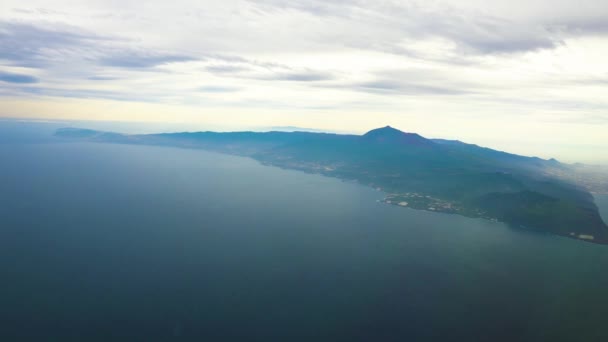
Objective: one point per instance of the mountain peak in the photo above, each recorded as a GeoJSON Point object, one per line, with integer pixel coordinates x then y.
{"type": "Point", "coordinates": [386, 130]}
{"type": "Point", "coordinates": [390, 135]}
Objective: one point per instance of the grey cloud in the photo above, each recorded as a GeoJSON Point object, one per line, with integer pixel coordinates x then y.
{"type": "Point", "coordinates": [227, 58]}
{"type": "Point", "coordinates": [396, 22]}
{"type": "Point", "coordinates": [578, 26]}
{"type": "Point", "coordinates": [35, 46]}
{"type": "Point", "coordinates": [299, 76]}
{"type": "Point", "coordinates": [257, 70]}
{"type": "Point", "coordinates": [488, 35]}
{"type": "Point", "coordinates": [38, 46]}
{"type": "Point", "coordinates": [226, 69]}
{"type": "Point", "coordinates": [404, 88]}
{"type": "Point", "coordinates": [306, 76]}
{"type": "Point", "coordinates": [508, 45]}
{"type": "Point", "coordinates": [142, 59]}
{"type": "Point", "coordinates": [17, 78]}
{"type": "Point", "coordinates": [413, 81]}
{"type": "Point", "coordinates": [473, 33]}
{"type": "Point", "coordinates": [337, 8]}
{"type": "Point", "coordinates": [102, 78]}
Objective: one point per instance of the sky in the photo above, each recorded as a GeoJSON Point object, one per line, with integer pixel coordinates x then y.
{"type": "Point", "coordinates": [528, 77]}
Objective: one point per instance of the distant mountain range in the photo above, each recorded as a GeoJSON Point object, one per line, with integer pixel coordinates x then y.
{"type": "Point", "coordinates": [428, 174]}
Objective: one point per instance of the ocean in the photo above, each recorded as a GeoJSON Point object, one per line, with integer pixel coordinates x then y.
{"type": "Point", "coordinates": [102, 242]}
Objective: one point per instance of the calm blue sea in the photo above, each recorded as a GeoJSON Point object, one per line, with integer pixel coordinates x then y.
{"type": "Point", "coordinates": [102, 242]}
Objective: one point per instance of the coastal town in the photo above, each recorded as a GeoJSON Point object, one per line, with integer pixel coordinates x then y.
{"type": "Point", "coordinates": [419, 201]}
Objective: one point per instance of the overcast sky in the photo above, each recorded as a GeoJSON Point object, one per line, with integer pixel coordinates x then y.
{"type": "Point", "coordinates": [529, 77]}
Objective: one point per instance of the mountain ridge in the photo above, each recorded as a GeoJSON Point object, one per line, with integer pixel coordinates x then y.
{"type": "Point", "coordinates": [428, 174]}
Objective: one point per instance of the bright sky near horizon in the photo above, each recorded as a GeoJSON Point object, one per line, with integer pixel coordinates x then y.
{"type": "Point", "coordinates": [528, 77]}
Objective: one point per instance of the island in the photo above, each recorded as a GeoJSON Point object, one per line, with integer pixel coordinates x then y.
{"type": "Point", "coordinates": [446, 176]}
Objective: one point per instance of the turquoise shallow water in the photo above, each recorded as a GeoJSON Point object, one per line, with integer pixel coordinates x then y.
{"type": "Point", "coordinates": [114, 242]}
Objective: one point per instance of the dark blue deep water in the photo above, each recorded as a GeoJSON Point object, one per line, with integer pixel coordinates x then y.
{"type": "Point", "coordinates": [133, 243]}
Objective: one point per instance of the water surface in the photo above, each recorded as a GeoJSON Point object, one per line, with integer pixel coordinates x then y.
{"type": "Point", "coordinates": [106, 242]}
